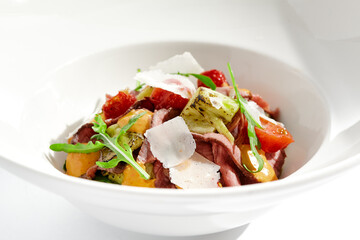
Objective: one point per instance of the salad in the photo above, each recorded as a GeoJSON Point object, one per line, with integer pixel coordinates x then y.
{"type": "Point", "coordinates": [181, 127]}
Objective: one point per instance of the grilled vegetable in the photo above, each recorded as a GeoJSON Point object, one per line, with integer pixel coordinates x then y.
{"type": "Point", "coordinates": [208, 111]}
{"type": "Point", "coordinates": [116, 178]}
{"type": "Point", "coordinates": [146, 92]}
{"type": "Point", "coordinates": [134, 140]}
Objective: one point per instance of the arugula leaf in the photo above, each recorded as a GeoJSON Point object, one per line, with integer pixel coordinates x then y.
{"type": "Point", "coordinates": [77, 148]}
{"type": "Point", "coordinates": [113, 162]}
{"type": "Point", "coordinates": [110, 164]}
{"type": "Point", "coordinates": [241, 100]}
{"type": "Point", "coordinates": [139, 86]}
{"type": "Point", "coordinates": [123, 153]}
{"type": "Point", "coordinates": [131, 122]}
{"type": "Point", "coordinates": [254, 144]}
{"type": "Point", "coordinates": [254, 141]}
{"type": "Point", "coordinates": [204, 79]}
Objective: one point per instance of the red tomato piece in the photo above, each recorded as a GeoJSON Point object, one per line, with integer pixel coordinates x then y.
{"type": "Point", "coordinates": [165, 99]}
{"type": "Point", "coordinates": [217, 76]}
{"type": "Point", "coordinates": [273, 137]}
{"type": "Point", "coordinates": [117, 105]}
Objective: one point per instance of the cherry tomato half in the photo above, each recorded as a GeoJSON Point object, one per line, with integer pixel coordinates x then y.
{"type": "Point", "coordinates": [273, 137]}
{"type": "Point", "coordinates": [217, 76]}
{"type": "Point", "coordinates": [165, 99]}
{"type": "Point", "coordinates": [117, 105]}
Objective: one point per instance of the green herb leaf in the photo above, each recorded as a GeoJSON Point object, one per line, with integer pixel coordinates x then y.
{"type": "Point", "coordinates": [254, 141]}
{"type": "Point", "coordinates": [131, 122]}
{"type": "Point", "coordinates": [254, 144]}
{"type": "Point", "coordinates": [77, 148]}
{"type": "Point", "coordinates": [204, 79]}
{"type": "Point", "coordinates": [139, 86]}
{"type": "Point", "coordinates": [241, 100]}
{"type": "Point", "coordinates": [123, 153]}
{"type": "Point", "coordinates": [110, 164]}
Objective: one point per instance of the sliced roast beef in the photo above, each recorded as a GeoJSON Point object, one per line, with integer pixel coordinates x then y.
{"type": "Point", "coordinates": [145, 155]}
{"type": "Point", "coordinates": [83, 134]}
{"type": "Point", "coordinates": [227, 91]}
{"type": "Point", "coordinates": [144, 104]}
{"type": "Point", "coordinates": [233, 150]}
{"type": "Point", "coordinates": [162, 115]}
{"type": "Point", "coordinates": [276, 160]}
{"type": "Point", "coordinates": [217, 148]}
{"type": "Point", "coordinates": [264, 105]}
{"type": "Point", "coordinates": [91, 172]}
{"type": "Point", "coordinates": [238, 128]}
{"type": "Point", "coordinates": [230, 92]}
{"type": "Point", "coordinates": [162, 178]}
{"type": "Point", "coordinates": [228, 170]}
{"type": "Point", "coordinates": [204, 148]}
{"type": "Point", "coordinates": [231, 126]}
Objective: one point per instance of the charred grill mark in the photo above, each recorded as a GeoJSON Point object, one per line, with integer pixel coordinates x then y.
{"type": "Point", "coordinates": [200, 98]}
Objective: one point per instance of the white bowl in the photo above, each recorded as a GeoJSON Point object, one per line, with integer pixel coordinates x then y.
{"type": "Point", "coordinates": [74, 90]}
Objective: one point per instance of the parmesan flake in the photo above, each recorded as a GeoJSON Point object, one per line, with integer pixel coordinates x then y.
{"type": "Point", "coordinates": [171, 142]}
{"type": "Point", "coordinates": [170, 82]}
{"type": "Point", "coordinates": [184, 63]}
{"type": "Point", "coordinates": [195, 172]}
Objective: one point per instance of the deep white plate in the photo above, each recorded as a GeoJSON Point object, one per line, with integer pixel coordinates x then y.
{"type": "Point", "coordinates": [73, 91]}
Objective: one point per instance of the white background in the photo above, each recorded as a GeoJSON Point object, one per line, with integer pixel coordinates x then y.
{"type": "Point", "coordinates": [38, 36]}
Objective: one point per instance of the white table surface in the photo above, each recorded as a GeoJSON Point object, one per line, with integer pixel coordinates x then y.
{"type": "Point", "coordinates": [38, 36]}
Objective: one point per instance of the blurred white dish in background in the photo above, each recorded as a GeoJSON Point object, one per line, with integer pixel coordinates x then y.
{"type": "Point", "coordinates": [330, 19]}
{"type": "Point", "coordinates": [72, 92]}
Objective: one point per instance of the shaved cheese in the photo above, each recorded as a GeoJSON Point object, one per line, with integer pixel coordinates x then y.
{"type": "Point", "coordinates": [171, 82]}
{"type": "Point", "coordinates": [171, 142]}
{"type": "Point", "coordinates": [174, 146]}
{"type": "Point", "coordinates": [184, 63]}
{"type": "Point", "coordinates": [256, 111]}
{"type": "Point", "coordinates": [196, 172]}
